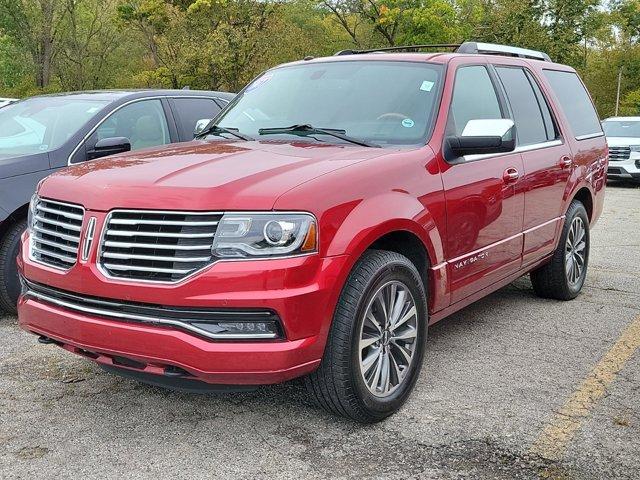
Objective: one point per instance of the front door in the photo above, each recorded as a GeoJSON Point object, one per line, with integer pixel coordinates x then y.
{"type": "Point", "coordinates": [484, 201]}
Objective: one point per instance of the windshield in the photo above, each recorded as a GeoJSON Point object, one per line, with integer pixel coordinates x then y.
{"type": "Point", "coordinates": [386, 103]}
{"type": "Point", "coordinates": [621, 128]}
{"type": "Point", "coordinates": [43, 124]}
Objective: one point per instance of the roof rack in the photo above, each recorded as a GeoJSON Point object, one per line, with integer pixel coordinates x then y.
{"type": "Point", "coordinates": [495, 49]}
{"type": "Point", "coordinates": [403, 48]}
{"type": "Point", "coordinates": [467, 47]}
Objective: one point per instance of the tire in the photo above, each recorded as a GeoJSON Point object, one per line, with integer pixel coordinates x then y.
{"type": "Point", "coordinates": [553, 280]}
{"type": "Point", "coordinates": [339, 385]}
{"type": "Point", "coordinates": [9, 282]}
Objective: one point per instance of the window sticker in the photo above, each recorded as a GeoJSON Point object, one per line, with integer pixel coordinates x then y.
{"type": "Point", "coordinates": [408, 123]}
{"type": "Point", "coordinates": [427, 85]}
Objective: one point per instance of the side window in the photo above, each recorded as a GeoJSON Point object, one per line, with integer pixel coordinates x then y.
{"type": "Point", "coordinates": [474, 98]}
{"type": "Point", "coordinates": [189, 110]}
{"type": "Point", "coordinates": [575, 103]}
{"type": "Point", "coordinates": [143, 123]}
{"type": "Point", "coordinates": [525, 105]}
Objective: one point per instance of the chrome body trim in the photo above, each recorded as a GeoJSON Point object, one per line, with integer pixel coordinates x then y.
{"type": "Point", "coordinates": [75, 302]}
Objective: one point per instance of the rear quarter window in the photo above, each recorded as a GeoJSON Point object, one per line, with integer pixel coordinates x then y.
{"type": "Point", "coordinates": [575, 102]}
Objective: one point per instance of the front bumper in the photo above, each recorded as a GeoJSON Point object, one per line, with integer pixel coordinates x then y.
{"type": "Point", "coordinates": [625, 169]}
{"type": "Point", "coordinates": [301, 291]}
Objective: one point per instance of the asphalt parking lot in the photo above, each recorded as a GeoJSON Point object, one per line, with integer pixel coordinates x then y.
{"type": "Point", "coordinates": [513, 387]}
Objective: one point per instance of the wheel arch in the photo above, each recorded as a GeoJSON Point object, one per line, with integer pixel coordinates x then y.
{"type": "Point", "coordinates": [585, 196]}
{"type": "Point", "coordinates": [18, 214]}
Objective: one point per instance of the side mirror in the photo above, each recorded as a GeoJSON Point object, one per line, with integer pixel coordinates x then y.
{"type": "Point", "coordinates": [109, 146]}
{"type": "Point", "coordinates": [481, 137]}
{"type": "Point", "coordinates": [200, 126]}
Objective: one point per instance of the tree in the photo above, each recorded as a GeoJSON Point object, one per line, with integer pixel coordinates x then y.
{"type": "Point", "coordinates": [34, 25]}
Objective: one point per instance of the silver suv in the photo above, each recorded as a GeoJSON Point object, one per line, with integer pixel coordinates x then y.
{"type": "Point", "coordinates": [623, 137]}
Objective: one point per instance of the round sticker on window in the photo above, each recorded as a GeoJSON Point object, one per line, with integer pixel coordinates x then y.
{"type": "Point", "coordinates": [408, 123]}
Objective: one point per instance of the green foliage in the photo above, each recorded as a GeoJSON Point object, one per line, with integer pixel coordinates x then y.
{"type": "Point", "coordinates": [52, 45]}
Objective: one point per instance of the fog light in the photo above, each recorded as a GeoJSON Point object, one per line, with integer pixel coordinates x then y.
{"type": "Point", "coordinates": [241, 330]}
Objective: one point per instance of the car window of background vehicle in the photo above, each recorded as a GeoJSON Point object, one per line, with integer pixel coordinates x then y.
{"type": "Point", "coordinates": [622, 128]}
{"type": "Point", "coordinates": [189, 111]}
{"type": "Point", "coordinates": [43, 124]}
{"type": "Point", "coordinates": [143, 123]}
{"type": "Point", "coordinates": [381, 102]}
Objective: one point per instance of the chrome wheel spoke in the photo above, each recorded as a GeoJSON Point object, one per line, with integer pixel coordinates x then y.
{"type": "Point", "coordinates": [367, 342]}
{"type": "Point", "coordinates": [408, 334]}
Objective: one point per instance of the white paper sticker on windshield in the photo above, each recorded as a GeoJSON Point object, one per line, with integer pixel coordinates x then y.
{"type": "Point", "coordinates": [408, 123]}
{"type": "Point", "coordinates": [427, 85]}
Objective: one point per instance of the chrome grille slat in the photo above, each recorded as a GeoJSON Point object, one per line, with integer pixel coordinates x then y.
{"type": "Point", "coordinates": [72, 216]}
{"type": "Point", "coordinates": [619, 153]}
{"type": "Point", "coordinates": [111, 243]}
{"type": "Point", "coordinates": [133, 256]}
{"type": "Point", "coordinates": [68, 226]}
{"type": "Point", "coordinates": [157, 246]}
{"type": "Point", "coordinates": [128, 233]}
{"type": "Point", "coordinates": [128, 221]}
{"type": "Point", "coordinates": [69, 238]}
{"type": "Point", "coordinates": [55, 233]}
{"type": "Point", "coordinates": [112, 266]}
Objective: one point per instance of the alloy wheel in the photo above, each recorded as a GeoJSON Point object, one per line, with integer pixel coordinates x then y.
{"type": "Point", "coordinates": [388, 338]}
{"type": "Point", "coordinates": [575, 251]}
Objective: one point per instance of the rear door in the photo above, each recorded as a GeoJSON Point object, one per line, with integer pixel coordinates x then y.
{"type": "Point", "coordinates": [547, 160]}
{"type": "Point", "coordinates": [484, 206]}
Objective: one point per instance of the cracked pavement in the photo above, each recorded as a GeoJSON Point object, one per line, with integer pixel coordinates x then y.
{"type": "Point", "coordinates": [495, 374]}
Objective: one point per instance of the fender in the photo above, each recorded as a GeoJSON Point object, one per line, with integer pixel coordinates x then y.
{"type": "Point", "coordinates": [383, 214]}
{"type": "Point", "coordinates": [387, 213]}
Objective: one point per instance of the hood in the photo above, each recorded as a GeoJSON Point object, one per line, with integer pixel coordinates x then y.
{"type": "Point", "coordinates": [622, 141]}
{"type": "Point", "coordinates": [201, 175]}
{"type": "Point", "coordinates": [11, 166]}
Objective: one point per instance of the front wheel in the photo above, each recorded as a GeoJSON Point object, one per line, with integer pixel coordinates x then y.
{"type": "Point", "coordinates": [376, 344]}
{"type": "Point", "coordinates": [563, 277]}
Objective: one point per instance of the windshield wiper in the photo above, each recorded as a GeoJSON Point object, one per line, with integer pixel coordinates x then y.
{"type": "Point", "coordinates": [217, 130]}
{"type": "Point", "coordinates": [304, 129]}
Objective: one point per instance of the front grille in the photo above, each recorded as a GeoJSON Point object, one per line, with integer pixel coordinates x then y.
{"type": "Point", "coordinates": [619, 153]}
{"type": "Point", "coordinates": [205, 322]}
{"type": "Point", "coordinates": [55, 233]}
{"type": "Point", "coordinates": [157, 246]}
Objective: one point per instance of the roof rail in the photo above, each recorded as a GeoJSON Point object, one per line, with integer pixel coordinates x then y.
{"type": "Point", "coordinates": [466, 47]}
{"type": "Point", "coordinates": [403, 48]}
{"type": "Point", "coordinates": [495, 49]}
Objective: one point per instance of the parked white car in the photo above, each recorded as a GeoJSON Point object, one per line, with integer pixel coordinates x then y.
{"type": "Point", "coordinates": [623, 137]}
{"type": "Point", "coordinates": [6, 101]}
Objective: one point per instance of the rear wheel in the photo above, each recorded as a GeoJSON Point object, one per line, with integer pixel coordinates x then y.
{"type": "Point", "coordinates": [376, 344]}
{"type": "Point", "coordinates": [9, 283]}
{"type": "Point", "coordinates": [563, 277]}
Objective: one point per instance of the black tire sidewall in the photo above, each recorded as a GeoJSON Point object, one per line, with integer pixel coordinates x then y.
{"type": "Point", "coordinates": [9, 281]}
{"type": "Point", "coordinates": [400, 271]}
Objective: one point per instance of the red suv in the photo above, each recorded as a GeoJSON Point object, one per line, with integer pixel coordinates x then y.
{"type": "Point", "coordinates": [326, 217]}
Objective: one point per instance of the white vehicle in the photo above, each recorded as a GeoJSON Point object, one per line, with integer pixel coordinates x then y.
{"type": "Point", "coordinates": [623, 137]}
{"type": "Point", "coordinates": [6, 101]}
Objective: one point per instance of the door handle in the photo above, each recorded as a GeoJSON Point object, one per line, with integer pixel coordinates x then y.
{"type": "Point", "coordinates": [510, 175]}
{"type": "Point", "coordinates": [565, 162]}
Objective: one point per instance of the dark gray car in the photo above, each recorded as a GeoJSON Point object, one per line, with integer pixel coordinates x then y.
{"type": "Point", "coordinates": [43, 134]}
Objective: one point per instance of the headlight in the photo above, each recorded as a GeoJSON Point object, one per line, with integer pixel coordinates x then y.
{"type": "Point", "coordinates": [265, 235]}
{"type": "Point", "coordinates": [32, 212]}
{"type": "Point", "coordinates": [635, 148]}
